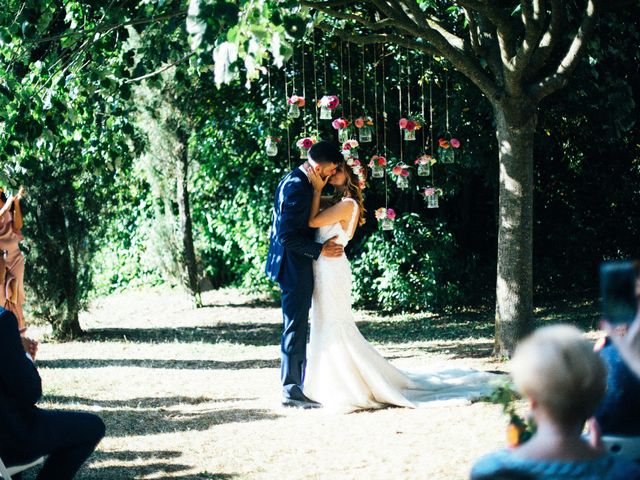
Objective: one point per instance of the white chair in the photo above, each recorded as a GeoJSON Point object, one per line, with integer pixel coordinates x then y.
{"type": "Point", "coordinates": [6, 472]}
{"type": "Point", "coordinates": [622, 446]}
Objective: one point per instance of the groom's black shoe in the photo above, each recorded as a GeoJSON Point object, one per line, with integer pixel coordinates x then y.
{"type": "Point", "coordinates": [302, 402]}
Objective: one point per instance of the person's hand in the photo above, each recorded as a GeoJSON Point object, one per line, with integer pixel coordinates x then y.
{"type": "Point", "coordinates": [628, 345]}
{"type": "Point", "coordinates": [20, 193]}
{"type": "Point", "coordinates": [331, 249]}
{"type": "Point", "coordinates": [595, 433]}
{"type": "Point", "coordinates": [30, 346]}
{"type": "Point", "coordinates": [317, 181]}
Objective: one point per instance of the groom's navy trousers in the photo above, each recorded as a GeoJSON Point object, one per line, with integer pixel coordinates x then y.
{"type": "Point", "coordinates": [292, 250]}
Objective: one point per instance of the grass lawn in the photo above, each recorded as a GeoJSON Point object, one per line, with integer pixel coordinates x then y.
{"type": "Point", "coordinates": [194, 394]}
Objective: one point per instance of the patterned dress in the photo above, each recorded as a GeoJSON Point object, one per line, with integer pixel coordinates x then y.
{"type": "Point", "coordinates": [11, 268]}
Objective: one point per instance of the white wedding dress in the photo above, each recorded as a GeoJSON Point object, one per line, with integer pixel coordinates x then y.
{"type": "Point", "coordinates": [345, 372]}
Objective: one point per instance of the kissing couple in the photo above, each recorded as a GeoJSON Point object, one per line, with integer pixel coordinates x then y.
{"type": "Point", "coordinates": [342, 371]}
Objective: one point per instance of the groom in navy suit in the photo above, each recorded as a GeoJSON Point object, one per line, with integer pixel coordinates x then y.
{"type": "Point", "coordinates": [292, 250]}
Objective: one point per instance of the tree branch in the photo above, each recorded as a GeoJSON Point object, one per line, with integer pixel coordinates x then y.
{"type": "Point", "coordinates": [504, 28]}
{"type": "Point", "coordinates": [532, 17]}
{"type": "Point", "coordinates": [162, 69]}
{"type": "Point", "coordinates": [92, 31]}
{"type": "Point", "coordinates": [550, 38]}
{"type": "Point", "coordinates": [574, 54]}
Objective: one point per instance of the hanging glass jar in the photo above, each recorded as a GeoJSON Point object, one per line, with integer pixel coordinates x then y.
{"type": "Point", "coordinates": [377, 171]}
{"type": "Point", "coordinates": [424, 169]}
{"type": "Point", "coordinates": [402, 182]}
{"type": "Point", "coordinates": [432, 200]}
{"type": "Point", "coordinates": [447, 155]}
{"type": "Point", "coordinates": [294, 111]}
{"type": "Point", "coordinates": [386, 224]}
{"type": "Point", "coordinates": [271, 146]}
{"type": "Point", "coordinates": [325, 113]}
{"type": "Point", "coordinates": [409, 135]}
{"type": "Point", "coordinates": [343, 135]}
{"type": "Point", "coordinates": [303, 153]}
{"type": "Point", "coordinates": [365, 134]}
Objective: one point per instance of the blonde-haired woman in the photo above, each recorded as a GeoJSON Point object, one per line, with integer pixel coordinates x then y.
{"type": "Point", "coordinates": [563, 379]}
{"type": "Point", "coordinates": [345, 372]}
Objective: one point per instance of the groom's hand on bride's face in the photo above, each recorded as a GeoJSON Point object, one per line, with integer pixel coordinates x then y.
{"type": "Point", "coordinates": [331, 249]}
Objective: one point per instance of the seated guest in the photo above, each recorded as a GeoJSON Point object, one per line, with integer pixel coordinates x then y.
{"type": "Point", "coordinates": [564, 380]}
{"type": "Point", "coordinates": [618, 413]}
{"type": "Point", "coordinates": [28, 432]}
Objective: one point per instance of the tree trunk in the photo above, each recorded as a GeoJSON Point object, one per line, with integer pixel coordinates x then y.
{"type": "Point", "coordinates": [515, 127]}
{"type": "Point", "coordinates": [69, 325]}
{"type": "Point", "coordinates": [186, 226]}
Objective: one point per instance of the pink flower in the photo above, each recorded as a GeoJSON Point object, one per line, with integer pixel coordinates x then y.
{"type": "Point", "coordinates": [346, 146]}
{"type": "Point", "coordinates": [391, 214]}
{"type": "Point", "coordinates": [362, 184]}
{"type": "Point", "coordinates": [333, 102]}
{"type": "Point", "coordinates": [359, 122]}
{"type": "Point", "coordinates": [382, 161]}
{"type": "Point", "coordinates": [340, 123]}
{"type": "Point", "coordinates": [296, 100]}
{"type": "Point", "coordinates": [356, 162]}
{"type": "Point", "coordinates": [307, 143]}
{"type": "Point", "coordinates": [429, 191]}
{"type": "Point", "coordinates": [403, 122]}
{"type": "Point", "coordinates": [397, 170]}
{"type": "Point", "coordinates": [411, 126]}
{"type": "Point", "coordinates": [404, 172]}
{"type": "Point", "coordinates": [455, 143]}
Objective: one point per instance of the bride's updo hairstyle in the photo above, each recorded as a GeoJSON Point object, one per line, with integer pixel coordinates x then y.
{"type": "Point", "coordinates": [557, 367]}
{"type": "Point", "coordinates": [353, 190]}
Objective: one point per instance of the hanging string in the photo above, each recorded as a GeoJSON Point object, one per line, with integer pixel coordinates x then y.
{"type": "Point", "coordinates": [286, 98]}
{"type": "Point", "coordinates": [270, 104]}
{"type": "Point", "coordinates": [324, 65]}
{"type": "Point", "coordinates": [375, 94]}
{"type": "Point", "coordinates": [408, 84]}
{"type": "Point", "coordinates": [446, 100]}
{"type": "Point", "coordinates": [422, 80]}
{"type": "Point", "coordinates": [431, 125]}
{"type": "Point", "coordinates": [304, 95]}
{"type": "Point", "coordinates": [349, 74]}
{"type": "Point", "coordinates": [400, 103]}
{"type": "Point", "coordinates": [384, 129]}
{"type": "Point", "coordinates": [341, 77]}
{"type": "Point", "coordinates": [315, 82]}
{"type": "Point", "coordinates": [384, 106]}
{"type": "Point", "coordinates": [293, 72]}
{"type": "Point", "coordinates": [364, 90]}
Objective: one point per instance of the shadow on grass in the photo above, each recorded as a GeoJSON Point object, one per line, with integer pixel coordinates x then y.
{"type": "Point", "coordinates": [140, 402]}
{"type": "Point", "coordinates": [156, 363]}
{"type": "Point", "coordinates": [158, 462]}
{"type": "Point", "coordinates": [474, 324]}
{"type": "Point", "coordinates": [150, 416]}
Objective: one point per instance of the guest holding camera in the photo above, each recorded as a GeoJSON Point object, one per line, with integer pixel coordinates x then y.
{"type": "Point", "coordinates": [564, 380]}
{"type": "Point", "coordinates": [28, 432]}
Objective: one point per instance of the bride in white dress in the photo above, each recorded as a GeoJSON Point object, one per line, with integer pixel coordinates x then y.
{"type": "Point", "coordinates": [344, 371]}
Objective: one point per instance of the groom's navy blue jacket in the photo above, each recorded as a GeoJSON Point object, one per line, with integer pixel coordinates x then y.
{"type": "Point", "coordinates": [292, 246]}
{"type": "Point", "coordinates": [292, 250]}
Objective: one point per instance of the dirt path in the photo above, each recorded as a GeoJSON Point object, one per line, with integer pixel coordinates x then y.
{"type": "Point", "coordinates": [192, 394]}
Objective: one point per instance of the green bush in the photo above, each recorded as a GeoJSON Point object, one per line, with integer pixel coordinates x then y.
{"type": "Point", "coordinates": [413, 268]}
